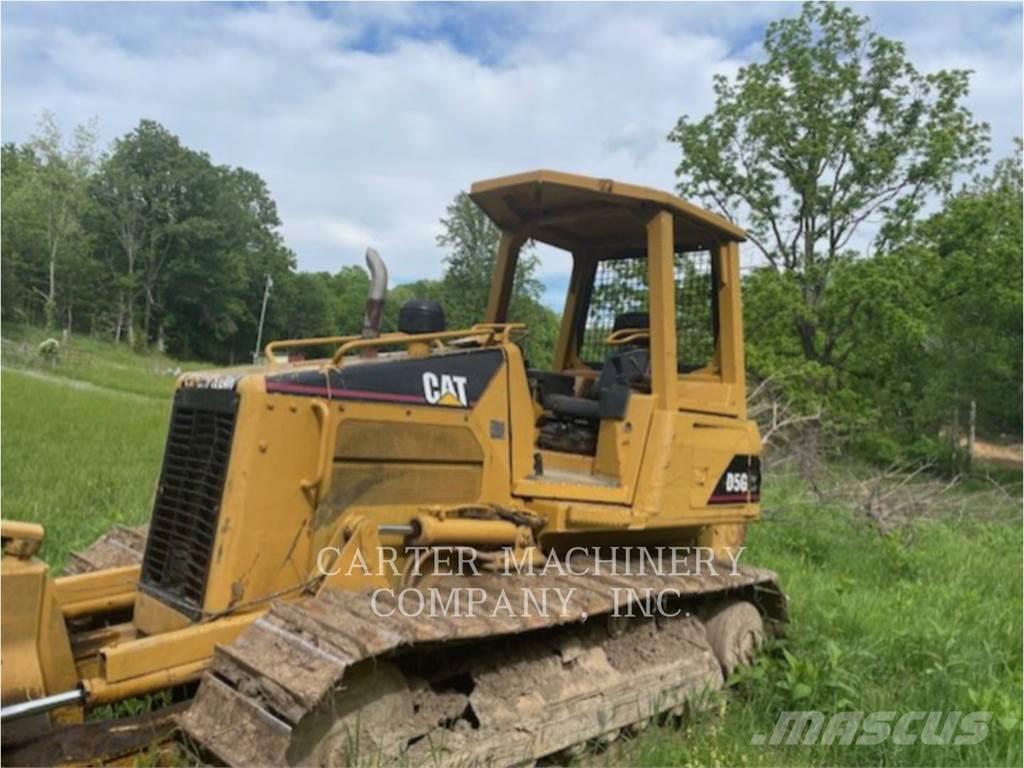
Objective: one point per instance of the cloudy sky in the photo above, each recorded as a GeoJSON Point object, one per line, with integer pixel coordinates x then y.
{"type": "Point", "coordinates": [365, 120]}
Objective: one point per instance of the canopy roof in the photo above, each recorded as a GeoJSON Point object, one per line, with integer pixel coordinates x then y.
{"type": "Point", "coordinates": [581, 213]}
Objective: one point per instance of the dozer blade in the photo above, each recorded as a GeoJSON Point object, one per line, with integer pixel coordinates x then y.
{"type": "Point", "coordinates": [330, 681]}
{"type": "Point", "coordinates": [43, 727]}
{"type": "Point", "coordinates": [97, 743]}
{"type": "Point", "coordinates": [118, 547]}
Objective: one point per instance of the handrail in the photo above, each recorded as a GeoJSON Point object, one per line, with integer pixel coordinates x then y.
{"type": "Point", "coordinates": [626, 336]}
{"type": "Point", "coordinates": [315, 341]}
{"type": "Point", "coordinates": [321, 483]}
{"type": "Point", "coordinates": [500, 332]}
{"type": "Point", "coordinates": [389, 339]}
{"type": "Point", "coordinates": [507, 329]}
{"type": "Point", "coordinates": [503, 331]}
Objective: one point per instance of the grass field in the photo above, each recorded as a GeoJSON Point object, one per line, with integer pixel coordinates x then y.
{"type": "Point", "coordinates": [929, 619]}
{"type": "Point", "coordinates": [926, 618]}
{"type": "Point", "coordinates": [90, 361]}
{"type": "Point", "coordinates": [77, 461]}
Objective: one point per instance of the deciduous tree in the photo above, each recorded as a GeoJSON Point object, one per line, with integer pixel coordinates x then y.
{"type": "Point", "coordinates": [56, 187]}
{"type": "Point", "coordinates": [471, 241]}
{"type": "Point", "coordinates": [834, 132]}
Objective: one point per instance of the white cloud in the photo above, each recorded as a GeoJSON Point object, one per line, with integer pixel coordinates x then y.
{"type": "Point", "coordinates": [365, 120]}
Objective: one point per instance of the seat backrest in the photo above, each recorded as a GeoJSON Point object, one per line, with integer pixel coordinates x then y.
{"type": "Point", "coordinates": [627, 368]}
{"type": "Point", "coordinates": [630, 365]}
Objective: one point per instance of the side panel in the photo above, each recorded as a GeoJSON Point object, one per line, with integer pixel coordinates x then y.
{"type": "Point", "coordinates": [377, 464]}
{"type": "Point", "coordinates": [387, 436]}
{"type": "Point", "coordinates": [701, 462]}
{"type": "Point", "coordinates": [263, 539]}
{"type": "Point", "coordinates": [455, 379]}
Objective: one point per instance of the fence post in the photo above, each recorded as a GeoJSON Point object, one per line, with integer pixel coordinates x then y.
{"type": "Point", "coordinates": [971, 421]}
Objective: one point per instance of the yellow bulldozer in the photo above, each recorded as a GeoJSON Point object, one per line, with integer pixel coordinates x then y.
{"type": "Point", "coordinates": [419, 549]}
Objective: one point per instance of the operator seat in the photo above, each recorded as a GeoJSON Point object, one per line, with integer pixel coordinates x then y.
{"type": "Point", "coordinates": [627, 367]}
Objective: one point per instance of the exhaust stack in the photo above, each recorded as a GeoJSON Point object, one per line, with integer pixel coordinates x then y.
{"type": "Point", "coordinates": [375, 299]}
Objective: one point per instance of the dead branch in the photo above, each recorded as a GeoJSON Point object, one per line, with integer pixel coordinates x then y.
{"type": "Point", "coordinates": [780, 423]}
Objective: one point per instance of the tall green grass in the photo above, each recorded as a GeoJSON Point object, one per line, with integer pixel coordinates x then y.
{"type": "Point", "coordinates": [927, 618]}
{"type": "Point", "coordinates": [77, 461]}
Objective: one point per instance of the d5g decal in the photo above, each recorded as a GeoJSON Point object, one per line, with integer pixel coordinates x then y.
{"type": "Point", "coordinates": [740, 483]}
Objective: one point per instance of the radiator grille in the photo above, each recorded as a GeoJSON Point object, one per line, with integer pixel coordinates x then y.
{"type": "Point", "coordinates": [188, 497]}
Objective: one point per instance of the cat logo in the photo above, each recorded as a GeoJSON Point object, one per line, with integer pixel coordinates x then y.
{"type": "Point", "coordinates": [445, 389]}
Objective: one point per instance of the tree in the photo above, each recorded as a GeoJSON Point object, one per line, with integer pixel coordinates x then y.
{"type": "Point", "coordinates": [157, 198]}
{"type": "Point", "coordinates": [221, 250]}
{"type": "Point", "coordinates": [350, 285]}
{"type": "Point", "coordinates": [133, 190]}
{"type": "Point", "coordinates": [250, 233]}
{"type": "Point", "coordinates": [20, 233]}
{"type": "Point", "coordinates": [835, 130]}
{"type": "Point", "coordinates": [56, 187]}
{"type": "Point", "coordinates": [314, 306]}
{"type": "Point", "coordinates": [930, 326]}
{"type": "Point", "coordinates": [155, 244]}
{"type": "Point", "coordinates": [972, 258]}
{"type": "Point", "coordinates": [471, 240]}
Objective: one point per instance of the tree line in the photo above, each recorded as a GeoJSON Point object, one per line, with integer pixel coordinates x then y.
{"type": "Point", "coordinates": [152, 244]}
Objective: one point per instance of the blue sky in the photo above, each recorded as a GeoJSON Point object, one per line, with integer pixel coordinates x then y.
{"type": "Point", "coordinates": [366, 119]}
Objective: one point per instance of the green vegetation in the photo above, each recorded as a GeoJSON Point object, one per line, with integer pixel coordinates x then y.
{"type": "Point", "coordinates": [826, 152]}
{"type": "Point", "coordinates": [471, 240]}
{"type": "Point", "coordinates": [94, 362]}
{"type": "Point", "coordinates": [927, 618]}
{"type": "Point", "coordinates": [77, 460]}
{"type": "Point", "coordinates": [154, 246]}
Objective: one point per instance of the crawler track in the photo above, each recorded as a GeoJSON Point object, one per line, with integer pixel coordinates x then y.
{"type": "Point", "coordinates": [328, 681]}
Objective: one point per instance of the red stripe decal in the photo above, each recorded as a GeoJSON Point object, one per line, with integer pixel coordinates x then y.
{"type": "Point", "coordinates": [726, 498]}
{"type": "Point", "coordinates": [332, 394]}
{"type": "Point", "coordinates": [342, 394]}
